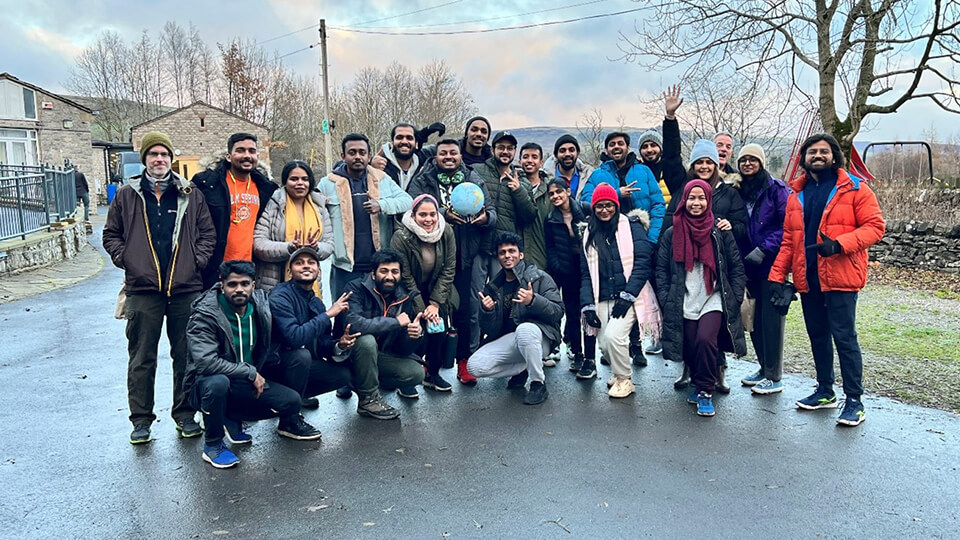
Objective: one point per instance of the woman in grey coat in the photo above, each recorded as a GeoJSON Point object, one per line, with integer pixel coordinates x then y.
{"type": "Point", "coordinates": [276, 236]}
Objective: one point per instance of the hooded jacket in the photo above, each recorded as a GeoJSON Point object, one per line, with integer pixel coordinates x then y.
{"type": "Point", "coordinates": [371, 313]}
{"type": "Point", "coordinates": [563, 250]}
{"type": "Point", "coordinates": [210, 346]}
{"type": "Point", "coordinates": [583, 168]}
{"type": "Point", "coordinates": [534, 243]}
{"type": "Point", "coordinates": [393, 169]}
{"type": "Point", "coordinates": [545, 311]}
{"type": "Point", "coordinates": [213, 183]}
{"type": "Point", "coordinates": [300, 320]}
{"type": "Point", "coordinates": [336, 188]}
{"type": "Point", "coordinates": [439, 283]}
{"type": "Point", "coordinates": [671, 287]}
{"type": "Point", "coordinates": [128, 241]}
{"type": "Point", "coordinates": [852, 217]}
{"type": "Point", "coordinates": [271, 252]}
{"type": "Point", "coordinates": [470, 238]}
{"type": "Point", "coordinates": [648, 196]}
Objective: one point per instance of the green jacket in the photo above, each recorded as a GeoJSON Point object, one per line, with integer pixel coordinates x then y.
{"type": "Point", "coordinates": [534, 245]}
{"type": "Point", "coordinates": [438, 287]}
{"type": "Point", "coordinates": [514, 208]}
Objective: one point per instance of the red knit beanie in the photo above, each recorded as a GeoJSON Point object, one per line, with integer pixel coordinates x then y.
{"type": "Point", "coordinates": [604, 192]}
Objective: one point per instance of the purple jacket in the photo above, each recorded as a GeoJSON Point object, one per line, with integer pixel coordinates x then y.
{"type": "Point", "coordinates": [765, 213]}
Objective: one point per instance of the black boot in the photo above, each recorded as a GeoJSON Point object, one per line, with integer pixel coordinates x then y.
{"type": "Point", "coordinates": [722, 381]}
{"type": "Point", "coordinates": [684, 380]}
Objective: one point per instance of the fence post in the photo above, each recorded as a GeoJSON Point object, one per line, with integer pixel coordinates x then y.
{"type": "Point", "coordinates": [46, 196]}
{"type": "Point", "coordinates": [23, 221]}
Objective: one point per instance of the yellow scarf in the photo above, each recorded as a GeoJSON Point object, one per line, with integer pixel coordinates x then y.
{"type": "Point", "coordinates": [304, 224]}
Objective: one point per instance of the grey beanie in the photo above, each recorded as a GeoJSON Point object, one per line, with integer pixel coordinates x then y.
{"type": "Point", "coordinates": [650, 135]}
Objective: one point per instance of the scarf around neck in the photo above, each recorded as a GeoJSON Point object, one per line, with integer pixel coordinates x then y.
{"type": "Point", "coordinates": [306, 224]}
{"type": "Point", "coordinates": [691, 235]}
{"type": "Point", "coordinates": [431, 237]}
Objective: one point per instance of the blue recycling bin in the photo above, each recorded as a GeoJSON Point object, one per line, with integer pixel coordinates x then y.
{"type": "Point", "coordinates": [111, 192]}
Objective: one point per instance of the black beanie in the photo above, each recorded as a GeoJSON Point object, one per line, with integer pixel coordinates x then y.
{"type": "Point", "coordinates": [564, 139]}
{"type": "Point", "coordinates": [466, 127]}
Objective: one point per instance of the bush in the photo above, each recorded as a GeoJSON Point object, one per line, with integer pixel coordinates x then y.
{"type": "Point", "coordinates": [918, 201]}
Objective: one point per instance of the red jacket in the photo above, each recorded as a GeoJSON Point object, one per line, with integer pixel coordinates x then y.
{"type": "Point", "coordinates": [852, 217]}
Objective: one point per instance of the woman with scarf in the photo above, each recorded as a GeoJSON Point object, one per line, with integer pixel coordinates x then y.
{"type": "Point", "coordinates": [295, 216]}
{"type": "Point", "coordinates": [428, 253]}
{"type": "Point", "coordinates": [563, 237]}
{"type": "Point", "coordinates": [700, 283]}
{"type": "Point", "coordinates": [614, 293]}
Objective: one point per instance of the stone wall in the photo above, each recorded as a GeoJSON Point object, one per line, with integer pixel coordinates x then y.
{"type": "Point", "coordinates": [42, 249]}
{"type": "Point", "coordinates": [919, 244]}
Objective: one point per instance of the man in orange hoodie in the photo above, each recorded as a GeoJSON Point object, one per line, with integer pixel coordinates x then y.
{"type": "Point", "coordinates": [831, 219]}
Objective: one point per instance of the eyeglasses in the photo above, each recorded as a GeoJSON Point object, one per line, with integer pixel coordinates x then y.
{"type": "Point", "coordinates": [155, 155]}
{"type": "Point", "coordinates": [749, 159]}
{"type": "Point", "coordinates": [604, 206]}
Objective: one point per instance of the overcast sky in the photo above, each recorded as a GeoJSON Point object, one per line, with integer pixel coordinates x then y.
{"type": "Point", "coordinates": [542, 76]}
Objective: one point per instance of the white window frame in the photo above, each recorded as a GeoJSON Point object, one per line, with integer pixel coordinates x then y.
{"type": "Point", "coordinates": [21, 113]}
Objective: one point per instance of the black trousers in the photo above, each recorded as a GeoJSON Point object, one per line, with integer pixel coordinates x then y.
{"type": "Point", "coordinates": [219, 397]}
{"type": "Point", "coordinates": [700, 350]}
{"type": "Point", "coordinates": [768, 327]}
{"type": "Point", "coordinates": [310, 376]}
{"type": "Point", "coordinates": [572, 329]}
{"type": "Point", "coordinates": [831, 318]}
{"type": "Point", "coordinates": [466, 319]}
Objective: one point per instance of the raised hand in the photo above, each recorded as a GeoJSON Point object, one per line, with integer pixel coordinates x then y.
{"type": "Point", "coordinates": [672, 100]}
{"type": "Point", "coordinates": [340, 305]}
{"type": "Point", "coordinates": [414, 329]}
{"type": "Point", "coordinates": [486, 302]}
{"type": "Point", "coordinates": [312, 238]}
{"type": "Point", "coordinates": [378, 161]}
{"type": "Point", "coordinates": [513, 181]}
{"type": "Point", "coordinates": [347, 340]}
{"type": "Point", "coordinates": [525, 296]}
{"type": "Point", "coordinates": [627, 190]}
{"type": "Point", "coordinates": [295, 243]}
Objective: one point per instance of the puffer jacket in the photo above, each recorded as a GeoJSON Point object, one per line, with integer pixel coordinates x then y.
{"type": "Point", "coordinates": [671, 287]}
{"type": "Point", "coordinates": [126, 238]}
{"type": "Point", "coordinates": [439, 284]}
{"type": "Point", "coordinates": [534, 243]}
{"type": "Point", "coordinates": [728, 205]}
{"type": "Point", "coordinates": [584, 170]}
{"type": "Point", "coordinates": [640, 272]}
{"type": "Point", "coordinates": [764, 224]}
{"type": "Point", "coordinates": [300, 320]}
{"type": "Point", "coordinates": [545, 311]}
{"type": "Point", "coordinates": [210, 345]}
{"type": "Point", "coordinates": [852, 217]}
{"type": "Point", "coordinates": [648, 196]}
{"type": "Point", "coordinates": [563, 250]}
{"type": "Point", "coordinates": [213, 183]}
{"type": "Point", "coordinates": [470, 238]}
{"type": "Point", "coordinates": [371, 313]}
{"type": "Point", "coordinates": [515, 209]}
{"type": "Point", "coordinates": [270, 251]}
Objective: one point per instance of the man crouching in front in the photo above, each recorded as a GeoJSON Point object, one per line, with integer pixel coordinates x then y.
{"type": "Point", "coordinates": [232, 371]}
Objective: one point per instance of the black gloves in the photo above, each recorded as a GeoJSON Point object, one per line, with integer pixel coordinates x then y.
{"type": "Point", "coordinates": [754, 257]}
{"type": "Point", "coordinates": [620, 308]}
{"type": "Point", "coordinates": [590, 315]}
{"type": "Point", "coordinates": [828, 247]}
{"type": "Point", "coordinates": [781, 294]}
{"type": "Point", "coordinates": [424, 134]}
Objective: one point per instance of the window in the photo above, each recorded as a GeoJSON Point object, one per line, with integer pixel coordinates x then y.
{"type": "Point", "coordinates": [17, 101]}
{"type": "Point", "coordinates": [18, 147]}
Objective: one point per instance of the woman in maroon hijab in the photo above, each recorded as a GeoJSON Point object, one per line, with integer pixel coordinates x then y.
{"type": "Point", "coordinates": [700, 283]}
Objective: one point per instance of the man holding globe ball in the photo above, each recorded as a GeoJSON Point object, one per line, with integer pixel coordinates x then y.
{"type": "Point", "coordinates": [465, 205]}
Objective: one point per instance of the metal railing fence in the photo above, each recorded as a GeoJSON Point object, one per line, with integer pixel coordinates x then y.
{"type": "Point", "coordinates": [33, 197]}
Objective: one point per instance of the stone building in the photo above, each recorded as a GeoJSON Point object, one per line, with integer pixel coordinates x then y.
{"type": "Point", "coordinates": [39, 127]}
{"type": "Point", "coordinates": [200, 131]}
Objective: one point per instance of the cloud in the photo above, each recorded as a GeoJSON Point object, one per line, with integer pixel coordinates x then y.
{"type": "Point", "coordinates": [53, 41]}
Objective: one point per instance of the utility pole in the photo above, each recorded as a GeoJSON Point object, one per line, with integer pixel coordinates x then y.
{"type": "Point", "coordinates": [326, 95]}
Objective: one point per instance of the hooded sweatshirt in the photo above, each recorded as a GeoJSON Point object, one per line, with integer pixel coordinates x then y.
{"type": "Point", "coordinates": [363, 248]}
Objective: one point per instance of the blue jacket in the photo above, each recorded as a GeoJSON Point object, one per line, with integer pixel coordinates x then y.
{"type": "Point", "coordinates": [648, 196]}
{"type": "Point", "coordinates": [300, 320]}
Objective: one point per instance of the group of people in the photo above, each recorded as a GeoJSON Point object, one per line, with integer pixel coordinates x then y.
{"type": "Point", "coordinates": [642, 247]}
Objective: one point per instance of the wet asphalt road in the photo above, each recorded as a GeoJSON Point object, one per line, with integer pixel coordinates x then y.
{"type": "Point", "coordinates": [475, 463]}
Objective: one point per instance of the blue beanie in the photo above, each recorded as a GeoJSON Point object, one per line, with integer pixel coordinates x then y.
{"type": "Point", "coordinates": [704, 149]}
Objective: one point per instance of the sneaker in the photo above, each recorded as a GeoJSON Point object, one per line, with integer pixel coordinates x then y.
{"type": "Point", "coordinates": [463, 375]}
{"type": "Point", "coordinates": [611, 379]}
{"type": "Point", "coordinates": [219, 455]}
{"type": "Point", "coordinates": [753, 379]}
{"type": "Point", "coordinates": [588, 370]}
{"type": "Point", "coordinates": [767, 386]}
{"type": "Point", "coordinates": [188, 428]}
{"type": "Point", "coordinates": [437, 383]}
{"type": "Point", "coordinates": [310, 403]}
{"type": "Point", "coordinates": [140, 434]}
{"type": "Point", "coordinates": [518, 380]}
{"type": "Point", "coordinates": [692, 397]}
{"type": "Point", "coordinates": [655, 348]}
{"type": "Point", "coordinates": [639, 359]}
{"type": "Point", "coordinates": [823, 398]}
{"type": "Point", "coordinates": [621, 388]}
{"type": "Point", "coordinates": [853, 413]}
{"type": "Point", "coordinates": [549, 362]}
{"type": "Point", "coordinates": [375, 407]}
{"type": "Point", "coordinates": [555, 353]}
{"type": "Point", "coordinates": [297, 428]}
{"type": "Point", "coordinates": [705, 404]}
{"type": "Point", "coordinates": [344, 392]}
{"type": "Point", "coordinates": [233, 431]}
{"type": "Point", "coordinates": [536, 395]}
{"type": "Point", "coordinates": [576, 363]}
{"type": "Point", "coordinates": [409, 392]}
{"type": "Point", "coordinates": [603, 360]}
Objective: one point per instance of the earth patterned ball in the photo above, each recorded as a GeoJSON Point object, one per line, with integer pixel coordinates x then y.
{"type": "Point", "coordinates": [467, 199]}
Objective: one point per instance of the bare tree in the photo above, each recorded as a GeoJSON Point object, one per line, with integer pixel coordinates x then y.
{"type": "Point", "coordinates": [177, 54]}
{"type": "Point", "coordinates": [872, 55]}
{"type": "Point", "coordinates": [590, 129]}
{"type": "Point", "coordinates": [143, 81]}
{"type": "Point", "coordinates": [439, 96]}
{"type": "Point", "coordinates": [244, 91]}
{"type": "Point", "coordinates": [100, 73]}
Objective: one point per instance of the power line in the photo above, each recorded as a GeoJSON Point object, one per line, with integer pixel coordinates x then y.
{"type": "Point", "coordinates": [474, 21]}
{"type": "Point", "coordinates": [484, 30]}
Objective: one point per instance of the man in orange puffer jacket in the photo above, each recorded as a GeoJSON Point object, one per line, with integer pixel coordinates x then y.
{"type": "Point", "coordinates": [831, 219]}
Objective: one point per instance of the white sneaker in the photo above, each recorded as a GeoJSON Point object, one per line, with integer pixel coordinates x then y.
{"type": "Point", "coordinates": [622, 388]}
{"type": "Point", "coordinates": [549, 362]}
{"type": "Point", "coordinates": [611, 380]}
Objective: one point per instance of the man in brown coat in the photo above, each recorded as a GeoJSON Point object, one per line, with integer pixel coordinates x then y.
{"type": "Point", "coordinates": [159, 231]}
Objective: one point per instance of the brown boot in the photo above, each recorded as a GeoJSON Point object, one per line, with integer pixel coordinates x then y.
{"type": "Point", "coordinates": [684, 379]}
